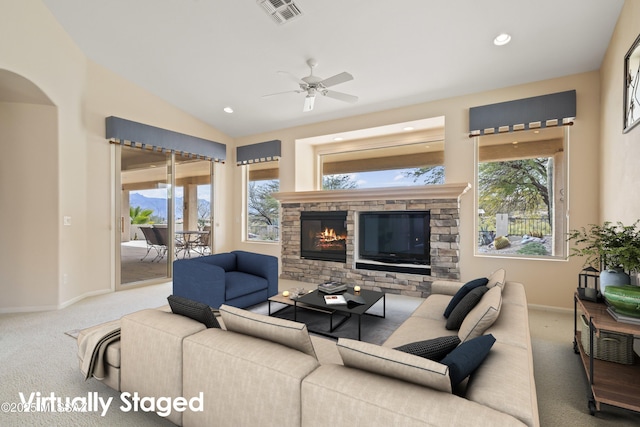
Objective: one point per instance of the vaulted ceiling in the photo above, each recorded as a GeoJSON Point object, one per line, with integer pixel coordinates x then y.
{"type": "Point", "coordinates": [204, 55]}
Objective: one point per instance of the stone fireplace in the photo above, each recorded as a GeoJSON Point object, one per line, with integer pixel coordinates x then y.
{"type": "Point", "coordinates": [303, 214]}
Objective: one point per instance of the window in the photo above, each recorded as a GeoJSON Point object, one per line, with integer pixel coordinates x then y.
{"type": "Point", "coordinates": [263, 219]}
{"type": "Point", "coordinates": [388, 163]}
{"type": "Point", "coordinates": [521, 193]}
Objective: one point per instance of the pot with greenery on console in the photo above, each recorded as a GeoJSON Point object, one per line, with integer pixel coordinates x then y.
{"type": "Point", "coordinates": [625, 299]}
{"type": "Point", "coordinates": [615, 248]}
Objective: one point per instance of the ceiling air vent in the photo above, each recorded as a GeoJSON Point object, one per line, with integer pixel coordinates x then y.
{"type": "Point", "coordinates": [280, 11]}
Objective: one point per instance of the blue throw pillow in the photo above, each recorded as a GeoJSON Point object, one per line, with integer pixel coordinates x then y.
{"type": "Point", "coordinates": [466, 358]}
{"type": "Point", "coordinates": [464, 307]}
{"type": "Point", "coordinates": [462, 292]}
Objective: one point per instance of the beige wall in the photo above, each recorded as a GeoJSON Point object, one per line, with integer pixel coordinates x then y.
{"type": "Point", "coordinates": [28, 196]}
{"type": "Point", "coordinates": [49, 60]}
{"type": "Point", "coordinates": [72, 164]}
{"type": "Point", "coordinates": [550, 283]}
{"type": "Point", "coordinates": [619, 153]}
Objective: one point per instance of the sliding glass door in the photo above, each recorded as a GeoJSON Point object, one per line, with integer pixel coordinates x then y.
{"type": "Point", "coordinates": [193, 207]}
{"type": "Point", "coordinates": [165, 211]}
{"type": "Point", "coordinates": [145, 220]}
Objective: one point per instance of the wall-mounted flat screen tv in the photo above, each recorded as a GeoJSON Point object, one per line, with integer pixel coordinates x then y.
{"type": "Point", "coordinates": [394, 237]}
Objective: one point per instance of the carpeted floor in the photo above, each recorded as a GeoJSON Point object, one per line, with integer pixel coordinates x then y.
{"type": "Point", "coordinates": [561, 382]}
{"type": "Point", "coordinates": [37, 357]}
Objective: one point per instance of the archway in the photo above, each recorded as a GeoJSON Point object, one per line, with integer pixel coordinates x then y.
{"type": "Point", "coordinates": [29, 260]}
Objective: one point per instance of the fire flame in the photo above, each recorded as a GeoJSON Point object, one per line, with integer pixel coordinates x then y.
{"type": "Point", "coordinates": [328, 235]}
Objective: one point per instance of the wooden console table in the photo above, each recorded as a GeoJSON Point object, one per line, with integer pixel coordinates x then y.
{"type": "Point", "coordinates": [611, 383]}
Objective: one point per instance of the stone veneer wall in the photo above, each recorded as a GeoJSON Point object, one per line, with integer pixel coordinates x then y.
{"type": "Point", "coordinates": [445, 217]}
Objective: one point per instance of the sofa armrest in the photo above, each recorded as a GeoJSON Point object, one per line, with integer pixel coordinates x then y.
{"type": "Point", "coordinates": [261, 265]}
{"type": "Point", "coordinates": [199, 281]}
{"type": "Point", "coordinates": [445, 287]}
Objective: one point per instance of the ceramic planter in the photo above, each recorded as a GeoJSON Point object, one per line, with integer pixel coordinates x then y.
{"type": "Point", "coordinates": [625, 299]}
{"type": "Point", "coordinates": [613, 277]}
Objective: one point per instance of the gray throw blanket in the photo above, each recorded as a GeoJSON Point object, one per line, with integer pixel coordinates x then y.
{"type": "Point", "coordinates": [92, 345]}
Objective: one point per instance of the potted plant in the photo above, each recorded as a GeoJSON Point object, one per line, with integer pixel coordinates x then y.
{"type": "Point", "coordinates": [613, 247]}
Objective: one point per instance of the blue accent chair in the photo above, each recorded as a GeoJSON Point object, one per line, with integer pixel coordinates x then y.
{"type": "Point", "coordinates": [238, 278]}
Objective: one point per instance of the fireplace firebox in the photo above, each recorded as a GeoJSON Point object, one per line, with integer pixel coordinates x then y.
{"type": "Point", "coordinates": [323, 235]}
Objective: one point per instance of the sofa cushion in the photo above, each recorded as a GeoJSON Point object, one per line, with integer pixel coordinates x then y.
{"type": "Point", "coordinates": [497, 278]}
{"type": "Point", "coordinates": [393, 363]}
{"type": "Point", "coordinates": [281, 331]}
{"type": "Point", "coordinates": [238, 284]}
{"type": "Point", "coordinates": [464, 307]}
{"type": "Point", "coordinates": [464, 290]}
{"type": "Point", "coordinates": [466, 358]}
{"type": "Point", "coordinates": [482, 316]}
{"type": "Point", "coordinates": [505, 382]}
{"type": "Point", "coordinates": [417, 329]}
{"type": "Point", "coordinates": [432, 307]}
{"type": "Point", "coordinates": [433, 349]}
{"type": "Point", "coordinates": [194, 310]}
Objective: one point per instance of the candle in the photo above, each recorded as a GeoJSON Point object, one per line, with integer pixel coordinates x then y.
{"type": "Point", "coordinates": [356, 288]}
{"type": "Point", "coordinates": [285, 294]}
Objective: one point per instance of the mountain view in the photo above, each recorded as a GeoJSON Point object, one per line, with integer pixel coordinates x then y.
{"type": "Point", "coordinates": [159, 205]}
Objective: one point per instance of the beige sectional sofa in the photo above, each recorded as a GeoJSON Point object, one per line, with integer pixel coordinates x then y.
{"type": "Point", "coordinates": [260, 370]}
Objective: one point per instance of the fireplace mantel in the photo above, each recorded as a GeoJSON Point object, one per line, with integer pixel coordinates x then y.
{"type": "Point", "coordinates": [442, 191]}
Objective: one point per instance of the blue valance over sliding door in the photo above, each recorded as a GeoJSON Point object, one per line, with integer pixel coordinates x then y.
{"type": "Point", "coordinates": [144, 136]}
{"type": "Point", "coordinates": [555, 109]}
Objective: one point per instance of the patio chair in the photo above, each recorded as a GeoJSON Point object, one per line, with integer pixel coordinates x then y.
{"type": "Point", "coordinates": [202, 245]}
{"type": "Point", "coordinates": [162, 234]}
{"type": "Point", "coordinates": [152, 242]}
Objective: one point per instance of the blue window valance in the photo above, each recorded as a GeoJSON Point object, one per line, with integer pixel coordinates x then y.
{"type": "Point", "coordinates": [124, 131]}
{"type": "Point", "coordinates": [555, 109]}
{"type": "Point", "coordinates": [261, 152]}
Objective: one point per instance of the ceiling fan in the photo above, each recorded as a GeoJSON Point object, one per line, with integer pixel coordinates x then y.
{"type": "Point", "coordinates": [314, 85]}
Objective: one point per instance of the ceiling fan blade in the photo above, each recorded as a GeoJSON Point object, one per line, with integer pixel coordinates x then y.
{"type": "Point", "coordinates": [341, 96]}
{"type": "Point", "coordinates": [292, 77]}
{"type": "Point", "coordinates": [337, 79]}
{"type": "Point", "coordinates": [309, 100]}
{"type": "Point", "coordinates": [281, 93]}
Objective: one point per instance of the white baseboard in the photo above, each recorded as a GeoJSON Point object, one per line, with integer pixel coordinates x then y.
{"type": "Point", "coordinates": [550, 308]}
{"type": "Point", "coordinates": [35, 308]}
{"type": "Point", "coordinates": [83, 296]}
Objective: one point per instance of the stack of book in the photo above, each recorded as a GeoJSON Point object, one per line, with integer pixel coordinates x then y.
{"type": "Point", "coordinates": [332, 287]}
{"type": "Point", "coordinates": [335, 300]}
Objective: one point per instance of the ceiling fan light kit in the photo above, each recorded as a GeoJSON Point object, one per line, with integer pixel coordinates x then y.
{"type": "Point", "coordinates": [313, 85]}
{"type": "Point", "coordinates": [309, 100]}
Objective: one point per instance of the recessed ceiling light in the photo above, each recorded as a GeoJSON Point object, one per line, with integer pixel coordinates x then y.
{"type": "Point", "coordinates": [408, 128]}
{"type": "Point", "coordinates": [228, 110]}
{"type": "Point", "coordinates": [338, 139]}
{"type": "Point", "coordinates": [502, 39]}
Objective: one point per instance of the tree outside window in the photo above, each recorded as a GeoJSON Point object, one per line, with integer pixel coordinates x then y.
{"type": "Point", "coordinates": [520, 194]}
{"type": "Point", "coordinates": [263, 210]}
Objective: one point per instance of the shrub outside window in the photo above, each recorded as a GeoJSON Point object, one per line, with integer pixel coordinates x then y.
{"type": "Point", "coordinates": [521, 193]}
